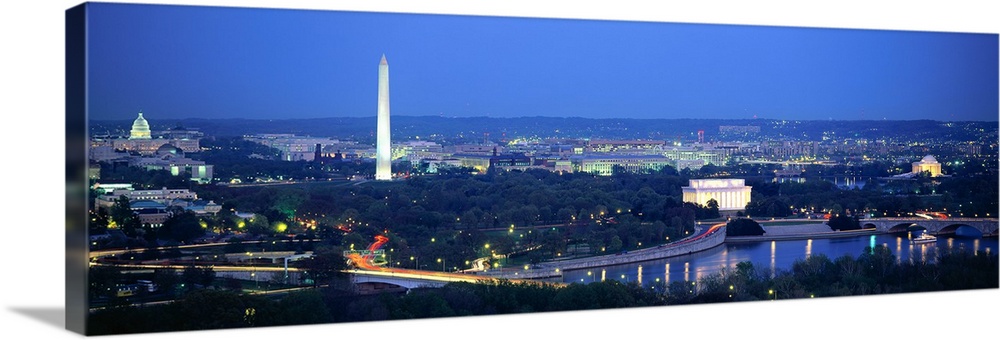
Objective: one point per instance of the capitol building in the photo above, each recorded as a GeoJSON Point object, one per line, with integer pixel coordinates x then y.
{"type": "Point", "coordinates": [152, 151]}
{"type": "Point", "coordinates": [141, 139]}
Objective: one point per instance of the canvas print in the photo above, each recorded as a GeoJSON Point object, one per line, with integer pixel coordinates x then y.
{"type": "Point", "coordinates": [253, 167]}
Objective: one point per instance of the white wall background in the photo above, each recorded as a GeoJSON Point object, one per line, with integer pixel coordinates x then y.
{"type": "Point", "coordinates": [31, 73]}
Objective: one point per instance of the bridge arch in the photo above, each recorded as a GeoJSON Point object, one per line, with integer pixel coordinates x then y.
{"type": "Point", "coordinates": [987, 226]}
{"type": "Point", "coordinates": [992, 231]}
{"type": "Point", "coordinates": [904, 227]}
{"type": "Point", "coordinates": [966, 228]}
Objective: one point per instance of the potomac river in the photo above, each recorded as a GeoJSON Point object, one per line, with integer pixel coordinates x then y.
{"type": "Point", "coordinates": [773, 256]}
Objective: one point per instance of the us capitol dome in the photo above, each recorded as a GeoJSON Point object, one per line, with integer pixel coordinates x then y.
{"type": "Point", "coordinates": [159, 150]}
{"type": "Point", "coordinates": [142, 140]}
{"type": "Point", "coordinates": [140, 129]}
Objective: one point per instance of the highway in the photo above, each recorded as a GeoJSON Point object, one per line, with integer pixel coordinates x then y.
{"type": "Point", "coordinates": [112, 252]}
{"type": "Point", "coordinates": [364, 265]}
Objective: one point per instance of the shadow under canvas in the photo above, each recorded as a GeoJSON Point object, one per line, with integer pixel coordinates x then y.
{"type": "Point", "coordinates": [52, 316]}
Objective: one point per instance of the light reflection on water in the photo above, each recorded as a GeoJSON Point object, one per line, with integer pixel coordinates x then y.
{"type": "Point", "coordinates": [639, 275]}
{"type": "Point", "coordinates": [666, 272]}
{"type": "Point", "coordinates": [774, 256]}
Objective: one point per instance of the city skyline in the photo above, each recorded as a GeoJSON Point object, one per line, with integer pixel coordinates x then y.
{"type": "Point", "coordinates": [313, 64]}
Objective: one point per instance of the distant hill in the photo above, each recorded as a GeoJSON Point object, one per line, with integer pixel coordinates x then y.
{"type": "Point", "coordinates": [475, 128]}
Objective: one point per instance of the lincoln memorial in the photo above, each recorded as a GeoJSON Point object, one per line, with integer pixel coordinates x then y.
{"type": "Point", "coordinates": [731, 194]}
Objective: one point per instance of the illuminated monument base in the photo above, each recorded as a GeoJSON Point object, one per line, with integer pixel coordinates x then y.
{"type": "Point", "coordinates": [731, 194]}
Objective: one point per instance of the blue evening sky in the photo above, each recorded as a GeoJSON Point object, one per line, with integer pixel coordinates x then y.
{"type": "Point", "coordinates": [208, 62]}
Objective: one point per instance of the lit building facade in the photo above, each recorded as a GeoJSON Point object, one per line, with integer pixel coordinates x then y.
{"type": "Point", "coordinates": [929, 164]}
{"type": "Point", "coordinates": [476, 161]}
{"type": "Point", "coordinates": [710, 156]}
{"type": "Point", "coordinates": [731, 194]}
{"type": "Point", "coordinates": [471, 149]}
{"type": "Point", "coordinates": [414, 151]}
{"type": "Point", "coordinates": [605, 165]}
{"type": "Point", "coordinates": [515, 161]}
{"type": "Point", "coordinates": [162, 196]}
{"type": "Point", "coordinates": [172, 159]}
{"type": "Point", "coordinates": [299, 148]}
{"type": "Point", "coordinates": [602, 145]}
{"type": "Point", "coordinates": [141, 139]}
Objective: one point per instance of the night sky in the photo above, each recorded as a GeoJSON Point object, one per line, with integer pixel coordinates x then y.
{"type": "Point", "coordinates": [205, 62]}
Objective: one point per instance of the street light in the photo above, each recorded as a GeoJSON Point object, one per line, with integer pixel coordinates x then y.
{"type": "Point", "coordinates": [442, 264]}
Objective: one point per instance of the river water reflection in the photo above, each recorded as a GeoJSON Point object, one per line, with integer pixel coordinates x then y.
{"type": "Point", "coordinates": [773, 256]}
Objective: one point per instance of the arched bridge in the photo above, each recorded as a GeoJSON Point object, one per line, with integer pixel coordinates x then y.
{"type": "Point", "coordinates": [406, 280]}
{"type": "Point", "coordinates": [988, 226]}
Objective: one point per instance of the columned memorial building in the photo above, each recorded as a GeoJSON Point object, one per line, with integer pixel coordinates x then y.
{"type": "Point", "coordinates": [929, 164]}
{"type": "Point", "coordinates": [731, 194]}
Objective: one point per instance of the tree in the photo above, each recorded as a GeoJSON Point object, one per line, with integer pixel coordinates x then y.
{"type": "Point", "coordinates": [124, 218]}
{"type": "Point", "coordinates": [844, 222]}
{"type": "Point", "coordinates": [660, 230]}
{"type": "Point", "coordinates": [103, 280]}
{"type": "Point", "coordinates": [213, 309]}
{"type": "Point", "coordinates": [615, 245]}
{"type": "Point", "coordinates": [258, 225]}
{"type": "Point", "coordinates": [324, 267]}
{"type": "Point", "coordinates": [182, 227]}
{"type": "Point", "coordinates": [166, 280]}
{"type": "Point", "coordinates": [713, 208]}
{"type": "Point", "coordinates": [233, 285]}
{"type": "Point", "coordinates": [680, 292]}
{"type": "Point", "coordinates": [304, 307]}
{"type": "Point", "coordinates": [744, 227]}
{"type": "Point", "coordinates": [202, 276]}
{"type": "Point", "coordinates": [100, 219]}
{"type": "Point", "coordinates": [768, 206]}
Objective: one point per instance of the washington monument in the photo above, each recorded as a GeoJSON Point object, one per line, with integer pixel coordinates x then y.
{"type": "Point", "coordinates": [383, 151]}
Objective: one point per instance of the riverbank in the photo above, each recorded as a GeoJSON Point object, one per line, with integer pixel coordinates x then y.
{"type": "Point", "coordinates": [798, 232]}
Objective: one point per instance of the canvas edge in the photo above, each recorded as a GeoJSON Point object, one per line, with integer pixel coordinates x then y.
{"type": "Point", "coordinates": [76, 170]}
{"type": "Point", "coordinates": [76, 219]}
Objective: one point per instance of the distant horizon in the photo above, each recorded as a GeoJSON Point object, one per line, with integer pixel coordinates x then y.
{"type": "Point", "coordinates": [373, 117]}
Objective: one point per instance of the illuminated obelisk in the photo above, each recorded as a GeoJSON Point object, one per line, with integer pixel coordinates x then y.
{"type": "Point", "coordinates": [383, 150]}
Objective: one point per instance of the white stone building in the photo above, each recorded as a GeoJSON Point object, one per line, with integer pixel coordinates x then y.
{"type": "Point", "coordinates": [731, 194]}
